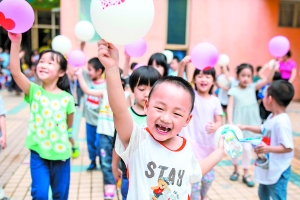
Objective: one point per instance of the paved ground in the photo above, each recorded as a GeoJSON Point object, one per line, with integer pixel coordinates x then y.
{"type": "Point", "coordinates": [15, 173]}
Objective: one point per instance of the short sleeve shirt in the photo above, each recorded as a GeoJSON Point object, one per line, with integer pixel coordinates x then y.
{"type": "Point", "coordinates": [48, 129]}
{"type": "Point", "coordinates": [151, 166]}
{"type": "Point", "coordinates": [279, 130]}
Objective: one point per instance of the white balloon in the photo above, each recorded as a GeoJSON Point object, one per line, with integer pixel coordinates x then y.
{"type": "Point", "coordinates": [122, 22]}
{"type": "Point", "coordinates": [223, 60]}
{"type": "Point", "coordinates": [223, 81]}
{"type": "Point", "coordinates": [235, 129]}
{"type": "Point", "coordinates": [61, 44]}
{"type": "Point", "coordinates": [272, 62]}
{"type": "Point", "coordinates": [84, 31]}
{"type": "Point", "coordinates": [169, 54]}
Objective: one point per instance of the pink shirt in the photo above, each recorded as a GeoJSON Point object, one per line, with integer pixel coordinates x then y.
{"type": "Point", "coordinates": [204, 112]}
{"type": "Point", "coordinates": [286, 68]}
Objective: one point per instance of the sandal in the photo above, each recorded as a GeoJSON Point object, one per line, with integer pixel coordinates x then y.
{"type": "Point", "coordinates": [247, 180]}
{"type": "Point", "coordinates": [234, 176]}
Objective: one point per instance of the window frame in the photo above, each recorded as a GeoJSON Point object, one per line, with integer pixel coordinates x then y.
{"type": "Point", "coordinates": [296, 13]}
{"type": "Point", "coordinates": [36, 26]}
{"type": "Point", "coordinates": [187, 28]}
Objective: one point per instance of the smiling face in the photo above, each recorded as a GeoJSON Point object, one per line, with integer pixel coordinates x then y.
{"type": "Point", "coordinates": [48, 68]}
{"type": "Point", "coordinates": [204, 82]}
{"type": "Point", "coordinates": [168, 111]}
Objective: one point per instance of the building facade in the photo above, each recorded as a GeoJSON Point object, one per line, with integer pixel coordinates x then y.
{"type": "Point", "coordinates": [240, 29]}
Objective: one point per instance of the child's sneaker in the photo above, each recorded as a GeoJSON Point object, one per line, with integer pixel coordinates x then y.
{"type": "Point", "coordinates": [109, 191]}
{"type": "Point", "coordinates": [75, 151]}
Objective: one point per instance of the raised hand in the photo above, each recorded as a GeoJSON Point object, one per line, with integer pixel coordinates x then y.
{"type": "Point", "coordinates": [15, 38]}
{"type": "Point", "coordinates": [108, 54]}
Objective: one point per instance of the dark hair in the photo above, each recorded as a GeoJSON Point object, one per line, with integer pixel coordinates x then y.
{"type": "Point", "coordinates": [95, 62]}
{"type": "Point", "coordinates": [282, 92]}
{"type": "Point", "coordinates": [145, 75]}
{"type": "Point", "coordinates": [211, 72]}
{"type": "Point", "coordinates": [63, 82]}
{"type": "Point", "coordinates": [258, 68]}
{"type": "Point", "coordinates": [288, 54]}
{"type": "Point", "coordinates": [161, 60]}
{"type": "Point", "coordinates": [176, 58]}
{"type": "Point", "coordinates": [243, 66]}
{"type": "Point", "coordinates": [133, 65]}
{"type": "Point", "coordinates": [179, 82]}
{"type": "Point", "coordinates": [277, 76]}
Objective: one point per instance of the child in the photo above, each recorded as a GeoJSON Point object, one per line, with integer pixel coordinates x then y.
{"type": "Point", "coordinates": [94, 81]}
{"type": "Point", "coordinates": [207, 118]}
{"type": "Point", "coordinates": [225, 82]}
{"type": "Point", "coordinates": [257, 76]}
{"type": "Point", "coordinates": [243, 109]}
{"type": "Point", "coordinates": [277, 129]}
{"type": "Point", "coordinates": [159, 62]}
{"type": "Point", "coordinates": [141, 82]}
{"type": "Point", "coordinates": [105, 130]}
{"type": "Point", "coordinates": [155, 153]}
{"type": "Point", "coordinates": [2, 138]}
{"type": "Point", "coordinates": [51, 115]}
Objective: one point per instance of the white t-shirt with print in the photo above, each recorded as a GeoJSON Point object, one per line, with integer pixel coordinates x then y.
{"type": "Point", "coordinates": [279, 129]}
{"type": "Point", "coordinates": [154, 170]}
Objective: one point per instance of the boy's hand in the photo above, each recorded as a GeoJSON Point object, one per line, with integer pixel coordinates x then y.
{"type": "Point", "coordinates": [78, 71]}
{"type": "Point", "coordinates": [210, 127]}
{"type": "Point", "coordinates": [221, 146]}
{"type": "Point", "coordinates": [117, 173]}
{"type": "Point", "coordinates": [242, 127]}
{"type": "Point", "coordinates": [2, 142]}
{"type": "Point", "coordinates": [186, 60]}
{"type": "Point", "coordinates": [262, 148]}
{"type": "Point", "coordinates": [15, 38]}
{"type": "Point", "coordinates": [108, 54]}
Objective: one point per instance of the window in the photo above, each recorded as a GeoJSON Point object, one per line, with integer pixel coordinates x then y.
{"type": "Point", "coordinates": [45, 28]}
{"type": "Point", "coordinates": [289, 13]}
{"type": "Point", "coordinates": [177, 24]}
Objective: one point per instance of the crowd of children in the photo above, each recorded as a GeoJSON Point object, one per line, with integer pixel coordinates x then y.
{"type": "Point", "coordinates": [161, 125]}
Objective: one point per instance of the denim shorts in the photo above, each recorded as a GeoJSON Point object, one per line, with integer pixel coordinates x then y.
{"type": "Point", "coordinates": [278, 190]}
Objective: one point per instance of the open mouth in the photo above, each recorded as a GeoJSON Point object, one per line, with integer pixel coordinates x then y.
{"type": "Point", "coordinates": [162, 129]}
{"type": "Point", "coordinates": [203, 84]}
{"type": "Point", "coordinates": [43, 72]}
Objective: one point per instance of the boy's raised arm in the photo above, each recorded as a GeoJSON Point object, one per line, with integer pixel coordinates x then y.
{"type": "Point", "coordinates": [109, 57]}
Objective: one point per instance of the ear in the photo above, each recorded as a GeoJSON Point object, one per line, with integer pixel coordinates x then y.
{"type": "Point", "coordinates": [146, 105]}
{"type": "Point", "coordinates": [61, 73]}
{"type": "Point", "coordinates": [269, 99]}
{"type": "Point", "coordinates": [188, 120]}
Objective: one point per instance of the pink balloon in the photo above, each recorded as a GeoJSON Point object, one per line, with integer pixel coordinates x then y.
{"type": "Point", "coordinates": [16, 16]}
{"type": "Point", "coordinates": [76, 58]}
{"type": "Point", "coordinates": [136, 49]}
{"type": "Point", "coordinates": [279, 46]}
{"type": "Point", "coordinates": [204, 55]}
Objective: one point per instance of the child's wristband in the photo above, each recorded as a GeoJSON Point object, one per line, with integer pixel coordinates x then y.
{"type": "Point", "coordinates": [70, 131]}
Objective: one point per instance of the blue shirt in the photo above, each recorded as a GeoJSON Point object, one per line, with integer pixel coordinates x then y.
{"type": "Point", "coordinates": [5, 59]}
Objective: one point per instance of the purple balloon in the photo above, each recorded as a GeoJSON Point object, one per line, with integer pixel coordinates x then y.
{"type": "Point", "coordinates": [136, 49]}
{"type": "Point", "coordinates": [18, 15]}
{"type": "Point", "coordinates": [279, 46]}
{"type": "Point", "coordinates": [76, 58]}
{"type": "Point", "coordinates": [204, 56]}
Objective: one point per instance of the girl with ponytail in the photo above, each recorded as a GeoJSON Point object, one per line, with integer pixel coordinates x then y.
{"type": "Point", "coordinates": [51, 117]}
